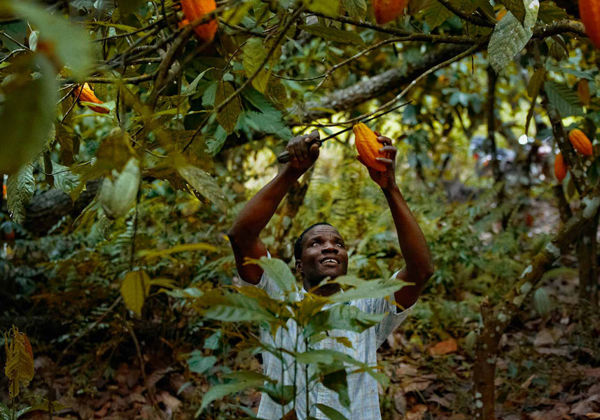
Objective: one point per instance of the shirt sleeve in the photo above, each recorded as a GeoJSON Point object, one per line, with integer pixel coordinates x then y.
{"type": "Point", "coordinates": [266, 284]}
{"type": "Point", "coordinates": [395, 316]}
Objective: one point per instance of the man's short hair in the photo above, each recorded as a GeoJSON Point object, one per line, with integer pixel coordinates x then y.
{"type": "Point", "coordinates": [298, 243]}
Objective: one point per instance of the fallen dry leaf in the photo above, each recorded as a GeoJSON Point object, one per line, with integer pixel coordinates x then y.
{"type": "Point", "coordinates": [444, 347]}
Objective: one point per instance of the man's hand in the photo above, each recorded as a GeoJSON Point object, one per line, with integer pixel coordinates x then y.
{"type": "Point", "coordinates": [385, 179]}
{"type": "Point", "coordinates": [304, 151]}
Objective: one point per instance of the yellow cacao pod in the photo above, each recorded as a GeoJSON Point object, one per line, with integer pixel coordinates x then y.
{"type": "Point", "coordinates": [580, 142]}
{"type": "Point", "coordinates": [560, 169]}
{"type": "Point", "coordinates": [388, 10]}
{"type": "Point", "coordinates": [195, 9]}
{"type": "Point", "coordinates": [589, 10]}
{"type": "Point", "coordinates": [368, 146]}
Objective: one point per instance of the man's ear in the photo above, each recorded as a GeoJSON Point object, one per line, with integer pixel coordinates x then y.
{"type": "Point", "coordinates": [299, 266]}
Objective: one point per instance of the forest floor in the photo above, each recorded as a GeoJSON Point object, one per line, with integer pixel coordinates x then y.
{"type": "Point", "coordinates": [548, 369]}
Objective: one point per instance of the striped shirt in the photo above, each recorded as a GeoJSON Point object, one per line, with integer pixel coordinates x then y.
{"type": "Point", "coordinates": [362, 388]}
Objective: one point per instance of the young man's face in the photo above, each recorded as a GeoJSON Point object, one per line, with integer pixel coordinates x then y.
{"type": "Point", "coordinates": [323, 255]}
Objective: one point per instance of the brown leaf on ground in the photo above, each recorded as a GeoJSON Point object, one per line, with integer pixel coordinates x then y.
{"type": "Point", "coordinates": [417, 412]}
{"type": "Point", "coordinates": [444, 347]}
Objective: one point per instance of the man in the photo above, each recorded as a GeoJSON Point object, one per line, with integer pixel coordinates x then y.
{"type": "Point", "coordinates": [321, 254]}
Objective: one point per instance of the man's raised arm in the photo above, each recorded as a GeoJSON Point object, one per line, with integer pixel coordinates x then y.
{"type": "Point", "coordinates": [252, 219]}
{"type": "Point", "coordinates": [419, 265]}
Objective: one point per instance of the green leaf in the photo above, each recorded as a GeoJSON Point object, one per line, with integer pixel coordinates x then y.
{"type": "Point", "coordinates": [333, 34]}
{"type": "Point", "coordinates": [433, 13]}
{"type": "Point", "coordinates": [228, 115]}
{"type": "Point", "coordinates": [31, 90]}
{"type": "Point", "coordinates": [232, 307]}
{"type": "Point", "coordinates": [204, 184]}
{"type": "Point", "coordinates": [337, 381]}
{"type": "Point", "coordinates": [199, 246]}
{"type": "Point", "coordinates": [134, 290]}
{"type": "Point", "coordinates": [71, 43]}
{"type": "Point", "coordinates": [191, 88]}
{"type": "Point", "coordinates": [364, 289]}
{"type": "Point", "coordinates": [117, 197]}
{"type": "Point", "coordinates": [220, 391]}
{"type": "Point", "coordinates": [212, 342]}
{"type": "Point", "coordinates": [510, 37]}
{"type": "Point", "coordinates": [564, 99]}
{"type": "Point", "coordinates": [198, 363]}
{"type": "Point", "coordinates": [516, 7]}
{"type": "Point", "coordinates": [254, 54]}
{"type": "Point", "coordinates": [325, 357]}
{"type": "Point", "coordinates": [267, 123]}
{"type": "Point", "coordinates": [279, 272]}
{"type": "Point", "coordinates": [580, 74]}
{"type": "Point", "coordinates": [19, 190]}
{"type": "Point", "coordinates": [541, 302]}
{"type": "Point", "coordinates": [281, 394]}
{"type": "Point", "coordinates": [331, 413]}
{"type": "Point", "coordinates": [327, 7]}
{"type": "Point", "coordinates": [536, 82]}
{"type": "Point", "coordinates": [550, 13]}
{"type": "Point", "coordinates": [342, 317]}
{"type": "Point", "coordinates": [355, 8]}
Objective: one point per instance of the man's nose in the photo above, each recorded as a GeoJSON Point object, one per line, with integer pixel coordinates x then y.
{"type": "Point", "coordinates": [330, 248]}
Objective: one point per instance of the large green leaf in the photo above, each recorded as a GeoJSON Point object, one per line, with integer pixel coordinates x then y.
{"type": "Point", "coordinates": [331, 413]}
{"type": "Point", "coordinates": [228, 116]}
{"type": "Point", "coordinates": [198, 363]}
{"type": "Point", "coordinates": [253, 56]}
{"type": "Point", "coordinates": [134, 290]}
{"type": "Point", "coordinates": [342, 317]}
{"type": "Point", "coordinates": [279, 272]}
{"type": "Point", "coordinates": [30, 96]}
{"type": "Point", "coordinates": [433, 13]}
{"type": "Point", "coordinates": [510, 37]}
{"type": "Point", "coordinates": [204, 184]}
{"type": "Point", "coordinates": [327, 7]}
{"type": "Point", "coordinates": [355, 8]}
{"type": "Point", "coordinates": [337, 381]}
{"type": "Point", "coordinates": [241, 382]}
{"type": "Point", "coordinates": [363, 289]}
{"type": "Point", "coordinates": [565, 100]}
{"type": "Point", "coordinates": [232, 307]}
{"type": "Point", "coordinates": [70, 43]}
{"type": "Point", "coordinates": [19, 190]}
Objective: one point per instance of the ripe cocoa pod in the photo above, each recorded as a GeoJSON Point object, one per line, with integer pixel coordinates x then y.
{"type": "Point", "coordinates": [589, 10]}
{"type": "Point", "coordinates": [388, 10]}
{"type": "Point", "coordinates": [195, 9]}
{"type": "Point", "coordinates": [368, 146]}
{"type": "Point", "coordinates": [560, 169]}
{"type": "Point", "coordinates": [87, 95]}
{"type": "Point", "coordinates": [580, 142]}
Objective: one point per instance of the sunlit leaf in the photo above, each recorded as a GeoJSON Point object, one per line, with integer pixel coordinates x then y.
{"type": "Point", "coordinates": [153, 253]}
{"type": "Point", "coordinates": [134, 290]}
{"type": "Point", "coordinates": [564, 99]}
{"type": "Point", "coordinates": [204, 184]}
{"type": "Point", "coordinates": [19, 360]}
{"type": "Point", "coordinates": [19, 188]}
{"type": "Point", "coordinates": [30, 95]}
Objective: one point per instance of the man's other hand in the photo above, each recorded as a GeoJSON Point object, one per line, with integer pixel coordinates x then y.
{"type": "Point", "coordinates": [385, 179]}
{"type": "Point", "coordinates": [304, 151]}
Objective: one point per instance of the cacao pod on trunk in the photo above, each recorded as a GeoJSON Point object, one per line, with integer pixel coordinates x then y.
{"type": "Point", "coordinates": [560, 169]}
{"type": "Point", "coordinates": [589, 10]}
{"type": "Point", "coordinates": [87, 95]}
{"type": "Point", "coordinates": [195, 9]}
{"type": "Point", "coordinates": [368, 146]}
{"type": "Point", "coordinates": [388, 10]}
{"type": "Point", "coordinates": [580, 142]}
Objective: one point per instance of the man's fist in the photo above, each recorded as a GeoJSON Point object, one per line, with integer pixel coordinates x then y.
{"type": "Point", "coordinates": [304, 150]}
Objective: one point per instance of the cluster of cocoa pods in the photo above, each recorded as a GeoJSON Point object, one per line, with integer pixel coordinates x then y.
{"type": "Point", "coordinates": [581, 143]}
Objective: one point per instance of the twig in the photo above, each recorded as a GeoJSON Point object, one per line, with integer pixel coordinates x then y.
{"type": "Point", "coordinates": [15, 41]}
{"type": "Point", "coordinates": [137, 31]}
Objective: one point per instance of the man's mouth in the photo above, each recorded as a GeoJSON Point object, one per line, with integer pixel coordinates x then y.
{"type": "Point", "coordinates": [329, 261]}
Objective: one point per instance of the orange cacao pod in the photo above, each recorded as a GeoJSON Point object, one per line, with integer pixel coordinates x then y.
{"type": "Point", "coordinates": [589, 10]}
{"type": "Point", "coordinates": [368, 146]}
{"type": "Point", "coordinates": [580, 142]}
{"type": "Point", "coordinates": [86, 94]}
{"type": "Point", "coordinates": [388, 10]}
{"type": "Point", "coordinates": [195, 9]}
{"type": "Point", "coordinates": [560, 169]}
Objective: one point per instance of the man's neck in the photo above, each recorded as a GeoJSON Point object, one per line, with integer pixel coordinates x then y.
{"type": "Point", "coordinates": [326, 289]}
